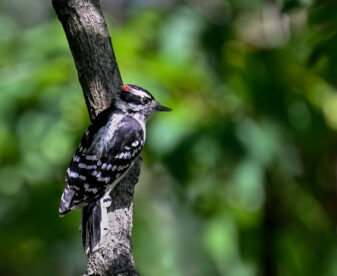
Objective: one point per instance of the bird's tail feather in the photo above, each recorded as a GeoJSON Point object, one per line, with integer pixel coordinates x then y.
{"type": "Point", "coordinates": [91, 220]}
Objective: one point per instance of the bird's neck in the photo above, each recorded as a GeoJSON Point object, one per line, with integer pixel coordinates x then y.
{"type": "Point", "coordinates": [141, 119]}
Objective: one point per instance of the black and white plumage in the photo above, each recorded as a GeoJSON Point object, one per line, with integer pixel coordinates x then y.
{"type": "Point", "coordinates": [108, 149]}
{"type": "Point", "coordinates": [102, 158]}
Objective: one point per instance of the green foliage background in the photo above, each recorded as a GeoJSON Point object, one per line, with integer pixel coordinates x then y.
{"type": "Point", "coordinates": [239, 180]}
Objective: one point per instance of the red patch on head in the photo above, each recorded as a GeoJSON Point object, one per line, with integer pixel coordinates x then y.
{"type": "Point", "coordinates": [125, 87]}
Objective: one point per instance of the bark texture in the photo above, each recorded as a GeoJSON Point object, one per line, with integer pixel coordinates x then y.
{"type": "Point", "coordinates": [91, 47]}
{"type": "Point", "coordinates": [99, 75]}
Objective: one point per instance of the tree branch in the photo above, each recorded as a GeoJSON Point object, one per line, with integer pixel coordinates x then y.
{"type": "Point", "coordinates": [99, 75]}
{"type": "Point", "coordinates": [90, 44]}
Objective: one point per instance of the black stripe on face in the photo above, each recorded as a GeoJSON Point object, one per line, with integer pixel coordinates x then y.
{"type": "Point", "coordinates": [130, 98]}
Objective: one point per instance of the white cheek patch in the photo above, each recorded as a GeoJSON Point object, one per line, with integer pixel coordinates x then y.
{"type": "Point", "coordinates": [135, 107]}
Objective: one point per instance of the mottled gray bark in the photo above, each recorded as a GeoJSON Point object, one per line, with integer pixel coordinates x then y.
{"type": "Point", "coordinates": [98, 72]}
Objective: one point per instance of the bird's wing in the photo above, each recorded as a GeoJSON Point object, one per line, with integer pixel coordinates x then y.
{"type": "Point", "coordinates": [103, 157]}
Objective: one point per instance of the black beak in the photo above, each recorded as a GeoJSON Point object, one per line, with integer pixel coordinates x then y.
{"type": "Point", "coordinates": [162, 108]}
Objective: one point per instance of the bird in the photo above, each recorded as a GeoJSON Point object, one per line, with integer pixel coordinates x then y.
{"type": "Point", "coordinates": [109, 148]}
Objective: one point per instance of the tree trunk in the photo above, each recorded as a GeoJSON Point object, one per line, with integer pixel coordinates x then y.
{"type": "Point", "coordinates": [99, 75]}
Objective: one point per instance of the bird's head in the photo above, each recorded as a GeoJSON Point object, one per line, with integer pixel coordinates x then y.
{"type": "Point", "coordinates": [134, 99]}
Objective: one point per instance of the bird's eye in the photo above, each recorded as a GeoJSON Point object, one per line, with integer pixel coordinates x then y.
{"type": "Point", "coordinates": [145, 100]}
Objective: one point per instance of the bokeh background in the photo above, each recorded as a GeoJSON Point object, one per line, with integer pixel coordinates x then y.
{"type": "Point", "coordinates": [239, 180]}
